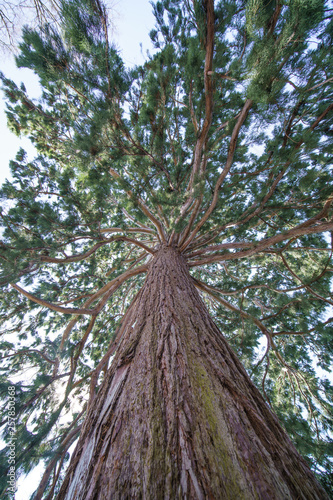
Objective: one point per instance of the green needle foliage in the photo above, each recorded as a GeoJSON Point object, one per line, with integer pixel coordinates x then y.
{"type": "Point", "coordinates": [221, 144]}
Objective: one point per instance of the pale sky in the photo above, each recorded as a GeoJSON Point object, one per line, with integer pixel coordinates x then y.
{"type": "Point", "coordinates": [133, 20]}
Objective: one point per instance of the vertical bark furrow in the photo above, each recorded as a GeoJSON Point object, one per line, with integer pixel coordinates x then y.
{"type": "Point", "coordinates": [177, 416]}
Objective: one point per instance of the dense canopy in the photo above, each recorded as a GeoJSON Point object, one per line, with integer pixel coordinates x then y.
{"type": "Point", "coordinates": [220, 145]}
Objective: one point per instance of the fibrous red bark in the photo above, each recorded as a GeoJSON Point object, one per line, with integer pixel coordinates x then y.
{"type": "Point", "coordinates": [177, 415]}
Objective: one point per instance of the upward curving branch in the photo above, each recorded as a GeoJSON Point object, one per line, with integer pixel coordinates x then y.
{"type": "Point", "coordinates": [259, 206]}
{"type": "Point", "coordinates": [209, 88]}
{"type": "Point", "coordinates": [49, 305]}
{"type": "Point", "coordinates": [267, 243]}
{"type": "Point", "coordinates": [199, 164]}
{"type": "Point", "coordinates": [83, 256]}
{"type": "Point", "coordinates": [144, 209]}
{"type": "Point", "coordinates": [108, 289]}
{"type": "Point", "coordinates": [232, 147]}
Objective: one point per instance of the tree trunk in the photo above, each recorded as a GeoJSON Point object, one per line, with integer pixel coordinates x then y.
{"type": "Point", "coordinates": [177, 415]}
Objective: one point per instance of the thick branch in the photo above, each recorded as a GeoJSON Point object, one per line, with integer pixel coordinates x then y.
{"type": "Point", "coordinates": [49, 305]}
{"type": "Point", "coordinates": [209, 45]}
{"type": "Point", "coordinates": [232, 147]}
{"type": "Point", "coordinates": [127, 230]}
{"type": "Point", "coordinates": [82, 256]}
{"type": "Point", "coordinates": [278, 178]}
{"type": "Point", "coordinates": [222, 246]}
{"type": "Point", "coordinates": [322, 214]}
{"type": "Point", "coordinates": [266, 243]}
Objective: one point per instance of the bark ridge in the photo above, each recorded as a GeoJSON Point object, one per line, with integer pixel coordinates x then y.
{"type": "Point", "coordinates": [177, 415]}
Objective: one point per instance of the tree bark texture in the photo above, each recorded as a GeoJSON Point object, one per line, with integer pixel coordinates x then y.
{"type": "Point", "coordinates": [177, 416]}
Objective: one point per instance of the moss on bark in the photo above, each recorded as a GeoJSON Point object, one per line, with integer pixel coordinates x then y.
{"type": "Point", "coordinates": [177, 416]}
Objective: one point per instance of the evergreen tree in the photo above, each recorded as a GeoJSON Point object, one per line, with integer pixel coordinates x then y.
{"type": "Point", "coordinates": [198, 182]}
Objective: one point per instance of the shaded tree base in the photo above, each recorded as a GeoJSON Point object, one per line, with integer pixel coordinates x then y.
{"type": "Point", "coordinates": [177, 415]}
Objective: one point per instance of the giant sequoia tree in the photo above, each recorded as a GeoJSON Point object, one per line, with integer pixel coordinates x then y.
{"type": "Point", "coordinates": [176, 220]}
